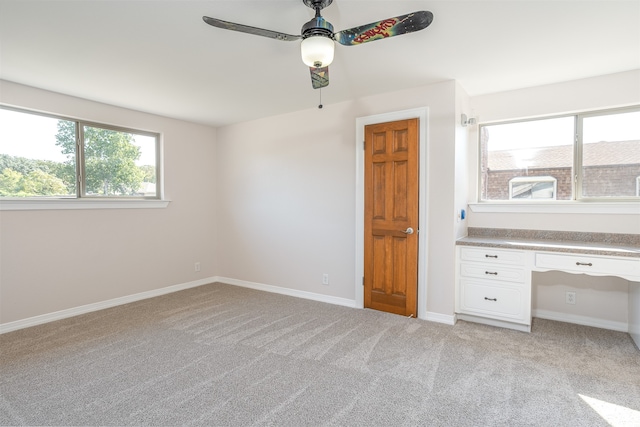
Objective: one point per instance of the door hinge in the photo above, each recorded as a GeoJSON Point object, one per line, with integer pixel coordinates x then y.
{"type": "Point", "coordinates": [364, 145]}
{"type": "Point", "coordinates": [362, 280]}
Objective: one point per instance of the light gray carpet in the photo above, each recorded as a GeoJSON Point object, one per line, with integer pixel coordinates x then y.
{"type": "Point", "coordinates": [227, 356]}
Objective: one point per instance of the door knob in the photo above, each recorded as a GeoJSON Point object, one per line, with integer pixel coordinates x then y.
{"type": "Point", "coordinates": [408, 231]}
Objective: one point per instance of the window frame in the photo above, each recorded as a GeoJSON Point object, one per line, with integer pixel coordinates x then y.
{"type": "Point", "coordinates": [81, 200]}
{"type": "Point", "coordinates": [608, 203]}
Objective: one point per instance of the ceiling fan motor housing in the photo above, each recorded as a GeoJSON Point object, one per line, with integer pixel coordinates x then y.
{"type": "Point", "coordinates": [318, 26]}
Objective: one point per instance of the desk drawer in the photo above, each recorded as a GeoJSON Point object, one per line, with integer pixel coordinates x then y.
{"type": "Point", "coordinates": [492, 256]}
{"type": "Point", "coordinates": [588, 264]}
{"type": "Point", "coordinates": [493, 300]}
{"type": "Point", "coordinates": [492, 272]}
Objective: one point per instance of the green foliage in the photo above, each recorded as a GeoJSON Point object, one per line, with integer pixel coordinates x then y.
{"type": "Point", "coordinates": [25, 166]}
{"type": "Point", "coordinates": [66, 137]}
{"type": "Point", "coordinates": [22, 177]}
{"type": "Point", "coordinates": [10, 182]}
{"type": "Point", "coordinates": [149, 172]}
{"type": "Point", "coordinates": [42, 183]}
{"type": "Point", "coordinates": [35, 183]}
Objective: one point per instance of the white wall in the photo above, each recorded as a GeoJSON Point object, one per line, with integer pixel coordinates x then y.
{"type": "Point", "coordinates": [465, 145]}
{"type": "Point", "coordinates": [54, 260]}
{"type": "Point", "coordinates": [608, 91]}
{"type": "Point", "coordinates": [286, 193]}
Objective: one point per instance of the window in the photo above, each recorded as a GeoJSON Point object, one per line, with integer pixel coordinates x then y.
{"type": "Point", "coordinates": [610, 155]}
{"type": "Point", "coordinates": [533, 187]}
{"type": "Point", "coordinates": [44, 157]}
{"type": "Point", "coordinates": [590, 156]}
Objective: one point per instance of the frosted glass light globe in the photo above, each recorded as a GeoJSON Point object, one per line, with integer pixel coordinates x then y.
{"type": "Point", "coordinates": [317, 51]}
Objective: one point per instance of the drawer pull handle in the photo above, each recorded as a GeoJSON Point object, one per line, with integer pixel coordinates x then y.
{"type": "Point", "coordinates": [491, 256]}
{"type": "Point", "coordinates": [584, 263]}
{"type": "Point", "coordinates": [495, 273]}
{"type": "Point", "coordinates": [491, 299]}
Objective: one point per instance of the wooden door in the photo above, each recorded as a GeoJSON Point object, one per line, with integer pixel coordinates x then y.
{"type": "Point", "coordinates": [391, 217]}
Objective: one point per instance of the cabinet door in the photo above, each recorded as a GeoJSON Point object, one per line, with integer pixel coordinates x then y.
{"type": "Point", "coordinates": [494, 300]}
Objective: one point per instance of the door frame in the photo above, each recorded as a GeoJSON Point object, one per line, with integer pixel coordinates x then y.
{"type": "Point", "coordinates": [422, 114]}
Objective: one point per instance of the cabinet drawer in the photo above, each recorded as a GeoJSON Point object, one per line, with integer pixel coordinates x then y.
{"type": "Point", "coordinates": [493, 300]}
{"type": "Point", "coordinates": [492, 256]}
{"type": "Point", "coordinates": [492, 272]}
{"type": "Point", "coordinates": [588, 264]}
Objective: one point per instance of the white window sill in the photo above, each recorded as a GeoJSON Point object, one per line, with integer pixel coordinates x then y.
{"type": "Point", "coordinates": [57, 204]}
{"type": "Point", "coordinates": [620, 208]}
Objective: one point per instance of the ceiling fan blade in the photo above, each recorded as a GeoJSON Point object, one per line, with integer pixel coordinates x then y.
{"type": "Point", "coordinates": [249, 30]}
{"type": "Point", "coordinates": [319, 77]}
{"type": "Point", "coordinates": [390, 27]}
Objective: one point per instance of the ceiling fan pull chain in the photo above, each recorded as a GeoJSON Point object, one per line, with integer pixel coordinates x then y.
{"type": "Point", "coordinates": [320, 105]}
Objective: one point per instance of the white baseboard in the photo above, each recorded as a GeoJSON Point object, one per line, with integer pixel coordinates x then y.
{"type": "Point", "coordinates": [440, 318]}
{"type": "Point", "coordinates": [63, 314]}
{"type": "Point", "coordinates": [494, 322]}
{"type": "Point", "coordinates": [76, 311]}
{"type": "Point", "coordinates": [287, 291]}
{"type": "Point", "coordinates": [581, 320]}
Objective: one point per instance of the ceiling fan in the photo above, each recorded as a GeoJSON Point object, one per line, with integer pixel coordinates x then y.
{"type": "Point", "coordinates": [318, 38]}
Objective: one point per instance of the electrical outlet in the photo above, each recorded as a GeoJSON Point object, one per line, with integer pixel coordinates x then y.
{"type": "Point", "coordinates": [325, 279]}
{"type": "Point", "coordinates": [196, 266]}
{"type": "Point", "coordinates": [570, 298]}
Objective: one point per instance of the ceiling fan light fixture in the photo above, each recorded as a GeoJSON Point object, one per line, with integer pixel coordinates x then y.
{"type": "Point", "coordinates": [318, 37]}
{"type": "Point", "coordinates": [317, 51]}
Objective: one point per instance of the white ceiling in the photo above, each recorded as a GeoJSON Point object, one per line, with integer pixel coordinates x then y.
{"type": "Point", "coordinates": [160, 57]}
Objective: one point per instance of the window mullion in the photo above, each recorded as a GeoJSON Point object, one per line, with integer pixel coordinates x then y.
{"type": "Point", "coordinates": [80, 159]}
{"type": "Point", "coordinates": [577, 160]}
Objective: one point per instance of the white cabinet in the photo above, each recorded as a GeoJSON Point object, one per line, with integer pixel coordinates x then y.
{"type": "Point", "coordinates": [493, 287]}
{"type": "Point", "coordinates": [493, 284]}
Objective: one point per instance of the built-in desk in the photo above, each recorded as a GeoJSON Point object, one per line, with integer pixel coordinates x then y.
{"type": "Point", "coordinates": [494, 266]}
